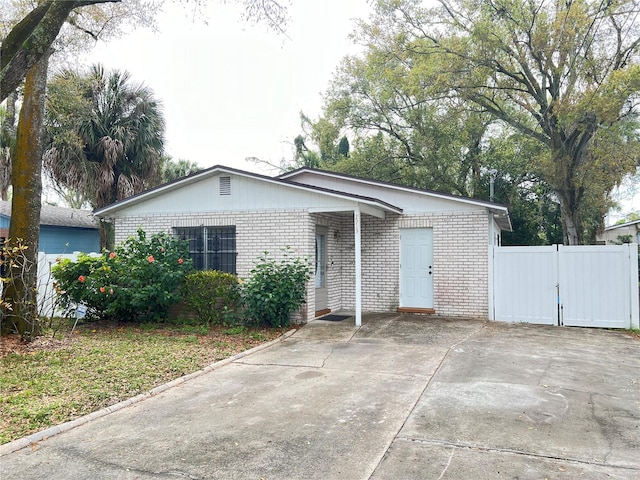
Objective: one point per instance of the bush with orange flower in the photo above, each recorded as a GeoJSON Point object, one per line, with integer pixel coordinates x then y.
{"type": "Point", "coordinates": [139, 280]}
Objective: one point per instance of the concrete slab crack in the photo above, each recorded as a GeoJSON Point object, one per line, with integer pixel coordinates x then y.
{"type": "Point", "coordinates": [287, 365]}
{"type": "Point", "coordinates": [180, 474]}
{"type": "Point", "coordinates": [74, 453]}
{"type": "Point", "coordinates": [355, 331]}
{"type": "Point", "coordinates": [601, 425]}
{"type": "Point", "coordinates": [426, 386]}
{"type": "Point", "coordinates": [328, 356]}
{"type": "Point", "coordinates": [446, 467]}
{"type": "Point", "coordinates": [473, 446]}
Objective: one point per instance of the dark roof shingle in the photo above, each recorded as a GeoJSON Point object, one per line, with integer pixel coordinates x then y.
{"type": "Point", "coordinates": [58, 216]}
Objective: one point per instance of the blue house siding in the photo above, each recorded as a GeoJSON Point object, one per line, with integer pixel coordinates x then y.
{"type": "Point", "coordinates": [62, 230]}
{"type": "Point", "coordinates": [55, 239]}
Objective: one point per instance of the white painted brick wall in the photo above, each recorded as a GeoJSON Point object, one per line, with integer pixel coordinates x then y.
{"type": "Point", "coordinates": [460, 261]}
{"type": "Point", "coordinates": [460, 246]}
{"type": "Point", "coordinates": [256, 232]}
{"type": "Point", "coordinates": [460, 252]}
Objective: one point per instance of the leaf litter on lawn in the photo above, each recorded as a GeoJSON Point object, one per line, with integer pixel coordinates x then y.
{"type": "Point", "coordinates": [55, 379]}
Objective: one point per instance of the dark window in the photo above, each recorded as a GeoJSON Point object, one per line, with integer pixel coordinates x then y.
{"type": "Point", "coordinates": [211, 248]}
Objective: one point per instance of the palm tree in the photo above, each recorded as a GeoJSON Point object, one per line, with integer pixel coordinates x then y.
{"type": "Point", "coordinates": [106, 136]}
{"type": "Point", "coordinates": [173, 170]}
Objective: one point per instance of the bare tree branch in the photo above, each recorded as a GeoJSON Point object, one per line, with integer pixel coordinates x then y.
{"type": "Point", "coordinates": [31, 38]}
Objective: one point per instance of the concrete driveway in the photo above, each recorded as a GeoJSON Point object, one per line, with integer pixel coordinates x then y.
{"type": "Point", "coordinates": [402, 397]}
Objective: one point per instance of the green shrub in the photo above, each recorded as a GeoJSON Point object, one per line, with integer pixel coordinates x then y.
{"type": "Point", "coordinates": [139, 280]}
{"type": "Point", "coordinates": [80, 281]}
{"type": "Point", "coordinates": [213, 295]}
{"type": "Point", "coordinates": [275, 288]}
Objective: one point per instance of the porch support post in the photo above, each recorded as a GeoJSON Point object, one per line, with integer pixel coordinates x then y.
{"type": "Point", "coordinates": [358, 249]}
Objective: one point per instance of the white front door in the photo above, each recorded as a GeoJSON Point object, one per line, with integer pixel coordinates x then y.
{"type": "Point", "coordinates": [322, 301]}
{"type": "Point", "coordinates": [416, 268]}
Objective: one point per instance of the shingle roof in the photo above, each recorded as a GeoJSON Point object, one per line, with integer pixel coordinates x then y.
{"type": "Point", "coordinates": [58, 216]}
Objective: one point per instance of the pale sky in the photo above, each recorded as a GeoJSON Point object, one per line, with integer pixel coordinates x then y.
{"type": "Point", "coordinates": [232, 89]}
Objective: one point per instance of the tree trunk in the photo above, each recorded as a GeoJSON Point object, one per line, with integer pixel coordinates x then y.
{"type": "Point", "coordinates": [107, 235]}
{"type": "Point", "coordinates": [24, 228]}
{"type": "Point", "coordinates": [8, 134]}
{"type": "Point", "coordinates": [562, 177]}
{"type": "Point", "coordinates": [571, 221]}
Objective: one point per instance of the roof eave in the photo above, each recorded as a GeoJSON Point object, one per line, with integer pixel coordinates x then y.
{"type": "Point", "coordinates": [635, 223]}
{"type": "Point", "coordinates": [380, 183]}
{"type": "Point", "coordinates": [504, 222]}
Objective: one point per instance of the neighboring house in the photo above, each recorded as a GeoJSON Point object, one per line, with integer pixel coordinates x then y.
{"type": "Point", "coordinates": [628, 232]}
{"type": "Point", "coordinates": [62, 230]}
{"type": "Point", "coordinates": [377, 247]}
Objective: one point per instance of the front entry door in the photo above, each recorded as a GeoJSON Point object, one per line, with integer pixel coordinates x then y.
{"type": "Point", "coordinates": [416, 268]}
{"type": "Point", "coordinates": [322, 302]}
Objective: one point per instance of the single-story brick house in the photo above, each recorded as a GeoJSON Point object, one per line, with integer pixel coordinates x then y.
{"type": "Point", "coordinates": [378, 247]}
{"type": "Point", "coordinates": [62, 230]}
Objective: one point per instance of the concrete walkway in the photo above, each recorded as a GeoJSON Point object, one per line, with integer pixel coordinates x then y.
{"type": "Point", "coordinates": [400, 398]}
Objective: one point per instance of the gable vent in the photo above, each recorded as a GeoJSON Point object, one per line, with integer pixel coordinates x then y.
{"type": "Point", "coordinates": [225, 185]}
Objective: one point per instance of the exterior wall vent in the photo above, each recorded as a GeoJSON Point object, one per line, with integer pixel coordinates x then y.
{"type": "Point", "coordinates": [225, 185]}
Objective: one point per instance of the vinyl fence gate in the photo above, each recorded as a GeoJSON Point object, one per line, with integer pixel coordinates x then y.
{"type": "Point", "coordinates": [586, 286]}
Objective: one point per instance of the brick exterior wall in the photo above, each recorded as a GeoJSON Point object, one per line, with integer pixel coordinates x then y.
{"type": "Point", "coordinates": [256, 232]}
{"type": "Point", "coordinates": [460, 253]}
{"type": "Point", "coordinates": [460, 262]}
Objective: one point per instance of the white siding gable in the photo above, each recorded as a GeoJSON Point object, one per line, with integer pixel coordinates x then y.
{"type": "Point", "coordinates": [408, 201]}
{"type": "Point", "coordinates": [238, 193]}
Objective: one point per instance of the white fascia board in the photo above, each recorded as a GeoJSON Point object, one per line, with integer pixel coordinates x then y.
{"type": "Point", "coordinates": [364, 208]}
{"type": "Point", "coordinates": [330, 209]}
{"type": "Point", "coordinates": [622, 225]}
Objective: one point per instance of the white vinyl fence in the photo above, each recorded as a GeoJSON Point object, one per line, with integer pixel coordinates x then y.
{"type": "Point", "coordinates": [588, 286]}
{"type": "Point", "coordinates": [47, 304]}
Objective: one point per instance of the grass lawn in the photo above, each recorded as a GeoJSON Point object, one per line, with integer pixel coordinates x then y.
{"type": "Point", "coordinates": [64, 376]}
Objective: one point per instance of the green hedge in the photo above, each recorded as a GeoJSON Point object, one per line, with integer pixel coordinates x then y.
{"type": "Point", "coordinates": [214, 296]}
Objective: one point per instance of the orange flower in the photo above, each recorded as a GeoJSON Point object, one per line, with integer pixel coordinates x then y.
{"type": "Point", "coordinates": [151, 259]}
{"type": "Point", "coordinates": [81, 279]}
{"type": "Point", "coordinates": [102, 289]}
{"type": "Point", "coordinates": [180, 261]}
{"type": "Point", "coordinates": [112, 255]}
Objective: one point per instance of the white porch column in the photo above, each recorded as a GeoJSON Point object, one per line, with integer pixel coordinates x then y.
{"type": "Point", "coordinates": [358, 248]}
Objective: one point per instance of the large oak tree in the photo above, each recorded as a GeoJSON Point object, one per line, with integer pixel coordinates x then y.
{"type": "Point", "coordinates": [564, 73]}
{"type": "Point", "coordinates": [24, 228]}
